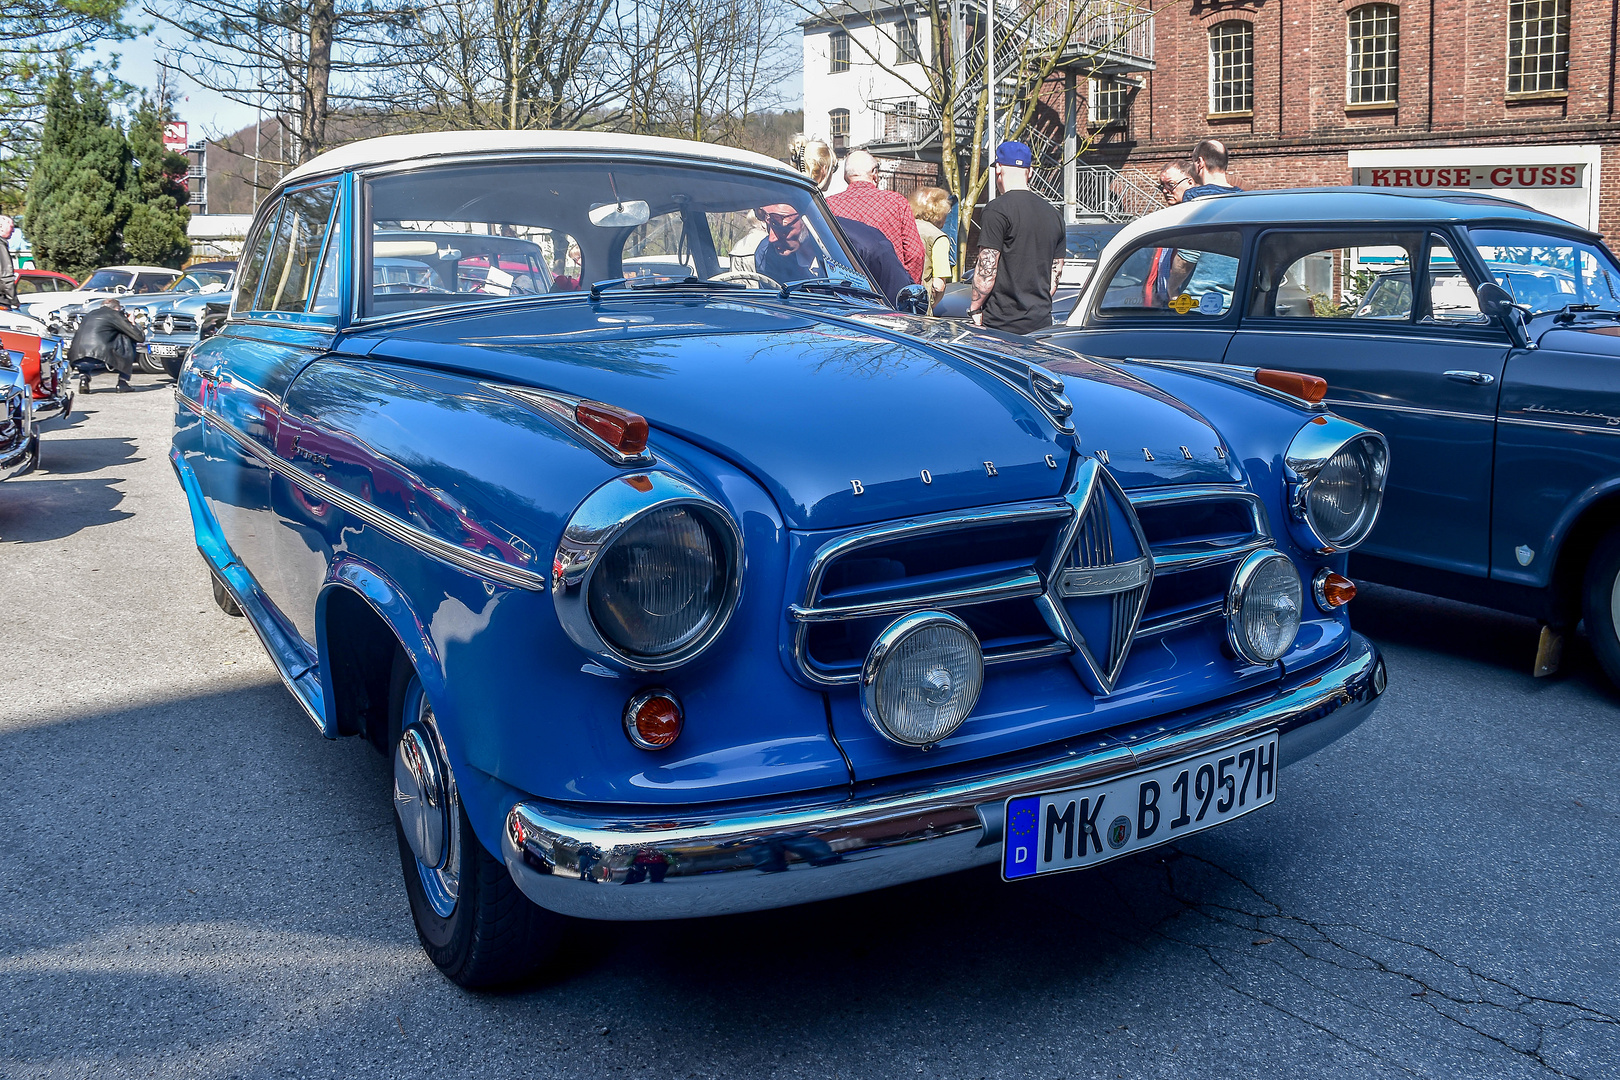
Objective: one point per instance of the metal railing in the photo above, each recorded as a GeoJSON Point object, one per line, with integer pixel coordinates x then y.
{"type": "Point", "coordinates": [1099, 27]}
{"type": "Point", "coordinates": [1117, 194]}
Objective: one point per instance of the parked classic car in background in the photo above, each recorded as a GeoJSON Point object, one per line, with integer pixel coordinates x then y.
{"type": "Point", "coordinates": [1494, 378]}
{"type": "Point", "coordinates": [109, 281]}
{"type": "Point", "coordinates": [714, 592]}
{"type": "Point", "coordinates": [174, 329]}
{"type": "Point", "coordinates": [42, 362]}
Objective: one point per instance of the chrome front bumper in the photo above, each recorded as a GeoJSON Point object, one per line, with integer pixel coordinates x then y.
{"type": "Point", "coordinates": [580, 865]}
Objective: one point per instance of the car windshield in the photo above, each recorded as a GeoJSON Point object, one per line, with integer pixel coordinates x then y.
{"type": "Point", "coordinates": [108, 279]}
{"type": "Point", "coordinates": [197, 280]}
{"type": "Point", "coordinates": [490, 231]}
{"type": "Point", "coordinates": [1548, 273]}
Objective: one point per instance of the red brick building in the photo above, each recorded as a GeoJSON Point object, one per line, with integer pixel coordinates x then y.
{"type": "Point", "coordinates": [1487, 94]}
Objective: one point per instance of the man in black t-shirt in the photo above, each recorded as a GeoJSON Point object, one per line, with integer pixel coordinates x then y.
{"type": "Point", "coordinates": [1020, 253]}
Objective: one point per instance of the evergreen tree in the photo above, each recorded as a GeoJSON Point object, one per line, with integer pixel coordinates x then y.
{"type": "Point", "coordinates": [77, 198]}
{"type": "Point", "coordinates": [155, 234]}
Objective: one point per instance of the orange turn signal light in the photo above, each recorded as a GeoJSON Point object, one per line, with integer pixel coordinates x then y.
{"type": "Point", "coordinates": [621, 429]}
{"type": "Point", "coordinates": [653, 719]}
{"type": "Point", "coordinates": [1308, 387]}
{"type": "Point", "coordinates": [1332, 590]}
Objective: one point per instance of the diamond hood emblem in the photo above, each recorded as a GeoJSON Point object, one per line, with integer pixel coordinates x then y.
{"type": "Point", "coordinates": [1098, 582]}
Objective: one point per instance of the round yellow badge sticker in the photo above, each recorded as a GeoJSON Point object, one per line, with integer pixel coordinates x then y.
{"type": "Point", "coordinates": [1183, 304]}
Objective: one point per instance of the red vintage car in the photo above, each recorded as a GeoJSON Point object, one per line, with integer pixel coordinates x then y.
{"type": "Point", "coordinates": [43, 281]}
{"type": "Point", "coordinates": [43, 363]}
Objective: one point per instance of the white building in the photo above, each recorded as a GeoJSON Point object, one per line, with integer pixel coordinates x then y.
{"type": "Point", "coordinates": [864, 74]}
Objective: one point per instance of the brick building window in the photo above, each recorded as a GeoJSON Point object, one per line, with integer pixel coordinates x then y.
{"type": "Point", "coordinates": [1374, 35]}
{"type": "Point", "coordinates": [907, 50]}
{"type": "Point", "coordinates": [1110, 102]}
{"type": "Point", "coordinates": [838, 51]}
{"type": "Point", "coordinates": [1538, 46]}
{"type": "Point", "coordinates": [1231, 68]}
{"type": "Point", "coordinates": [838, 128]}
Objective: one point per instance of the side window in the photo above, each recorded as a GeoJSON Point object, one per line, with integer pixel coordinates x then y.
{"type": "Point", "coordinates": [151, 283]}
{"type": "Point", "coordinates": [1190, 276]}
{"type": "Point", "coordinates": [252, 265]}
{"type": "Point", "coordinates": [659, 248]}
{"type": "Point", "coordinates": [29, 285]}
{"type": "Point", "coordinates": [1339, 275]}
{"type": "Point", "coordinates": [1451, 295]}
{"type": "Point", "coordinates": [300, 235]}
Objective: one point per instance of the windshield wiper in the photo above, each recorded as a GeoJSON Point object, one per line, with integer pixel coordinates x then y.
{"type": "Point", "coordinates": [1568, 312]}
{"type": "Point", "coordinates": [691, 281]}
{"type": "Point", "coordinates": [789, 288]}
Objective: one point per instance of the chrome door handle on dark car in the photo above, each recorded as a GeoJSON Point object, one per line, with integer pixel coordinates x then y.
{"type": "Point", "coordinates": [1478, 378]}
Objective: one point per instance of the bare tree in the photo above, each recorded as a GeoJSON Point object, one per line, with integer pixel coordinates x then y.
{"type": "Point", "coordinates": [1035, 42]}
{"type": "Point", "coordinates": [302, 60]}
{"type": "Point", "coordinates": [696, 68]}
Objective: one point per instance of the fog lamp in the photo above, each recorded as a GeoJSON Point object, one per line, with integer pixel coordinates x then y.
{"type": "Point", "coordinates": [653, 719]}
{"type": "Point", "coordinates": [1263, 607]}
{"type": "Point", "coordinates": [921, 678]}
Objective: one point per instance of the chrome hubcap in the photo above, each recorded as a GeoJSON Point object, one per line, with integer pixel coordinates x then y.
{"type": "Point", "coordinates": [426, 801]}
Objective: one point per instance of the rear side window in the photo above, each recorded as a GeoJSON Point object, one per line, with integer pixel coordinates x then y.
{"type": "Point", "coordinates": [1361, 274]}
{"type": "Point", "coordinates": [295, 253]}
{"type": "Point", "coordinates": [1190, 276]}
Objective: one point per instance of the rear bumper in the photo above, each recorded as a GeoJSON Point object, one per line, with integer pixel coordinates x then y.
{"type": "Point", "coordinates": [578, 865]}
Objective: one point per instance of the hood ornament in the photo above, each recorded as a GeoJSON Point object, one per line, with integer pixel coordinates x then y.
{"type": "Point", "coordinates": [1098, 582]}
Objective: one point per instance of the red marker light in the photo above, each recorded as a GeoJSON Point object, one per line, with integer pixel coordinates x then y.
{"type": "Point", "coordinates": [1308, 387]}
{"type": "Point", "coordinates": [621, 429]}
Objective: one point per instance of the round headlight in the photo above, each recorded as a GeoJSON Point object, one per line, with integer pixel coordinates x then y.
{"type": "Point", "coordinates": [921, 678]}
{"type": "Point", "coordinates": [1342, 501]}
{"type": "Point", "coordinates": [1263, 607]}
{"type": "Point", "coordinates": [659, 585]}
{"type": "Point", "coordinates": [648, 572]}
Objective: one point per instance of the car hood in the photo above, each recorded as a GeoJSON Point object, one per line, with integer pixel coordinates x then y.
{"type": "Point", "coordinates": [847, 416]}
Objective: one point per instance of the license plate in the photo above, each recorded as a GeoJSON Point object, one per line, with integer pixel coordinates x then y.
{"type": "Point", "coordinates": [164, 350]}
{"type": "Point", "coordinates": [1069, 830]}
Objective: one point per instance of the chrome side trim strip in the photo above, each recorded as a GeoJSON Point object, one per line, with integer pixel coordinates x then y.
{"type": "Point", "coordinates": [405, 533]}
{"type": "Point", "coordinates": [1339, 403]}
{"type": "Point", "coordinates": [559, 409]}
{"type": "Point", "coordinates": [1590, 429]}
{"type": "Point", "coordinates": [579, 860]}
{"type": "Point", "coordinates": [1231, 373]}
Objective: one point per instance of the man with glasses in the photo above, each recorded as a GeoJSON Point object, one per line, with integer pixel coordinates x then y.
{"type": "Point", "coordinates": [790, 253]}
{"type": "Point", "coordinates": [1174, 178]}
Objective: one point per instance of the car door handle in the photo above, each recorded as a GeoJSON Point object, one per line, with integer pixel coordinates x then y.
{"type": "Point", "coordinates": [1478, 378]}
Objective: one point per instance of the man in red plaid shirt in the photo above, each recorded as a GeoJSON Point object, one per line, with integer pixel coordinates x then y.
{"type": "Point", "coordinates": [887, 211]}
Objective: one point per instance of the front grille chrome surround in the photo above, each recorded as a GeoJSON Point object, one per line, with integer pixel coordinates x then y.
{"type": "Point", "coordinates": [1077, 528]}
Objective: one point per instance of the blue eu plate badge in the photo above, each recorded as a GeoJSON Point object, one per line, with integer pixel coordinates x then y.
{"type": "Point", "coordinates": [1067, 830]}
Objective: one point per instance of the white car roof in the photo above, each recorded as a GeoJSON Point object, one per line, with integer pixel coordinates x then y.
{"type": "Point", "coordinates": [142, 269]}
{"type": "Point", "coordinates": [435, 144]}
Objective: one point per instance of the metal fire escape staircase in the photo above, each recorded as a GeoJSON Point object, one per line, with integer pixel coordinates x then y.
{"type": "Point", "coordinates": [1094, 38]}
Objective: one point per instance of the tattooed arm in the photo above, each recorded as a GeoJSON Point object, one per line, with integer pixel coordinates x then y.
{"type": "Point", "coordinates": [1057, 272]}
{"type": "Point", "coordinates": [984, 279]}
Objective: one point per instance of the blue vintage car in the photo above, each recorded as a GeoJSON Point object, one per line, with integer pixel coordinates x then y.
{"type": "Point", "coordinates": [705, 590]}
{"type": "Point", "coordinates": [1479, 335]}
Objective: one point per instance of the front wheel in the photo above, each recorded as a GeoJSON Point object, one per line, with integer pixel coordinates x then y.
{"type": "Point", "coordinates": [474, 923]}
{"type": "Point", "coordinates": [1600, 604]}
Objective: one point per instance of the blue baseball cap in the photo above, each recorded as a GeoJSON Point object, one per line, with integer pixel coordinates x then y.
{"type": "Point", "coordinates": [1016, 154]}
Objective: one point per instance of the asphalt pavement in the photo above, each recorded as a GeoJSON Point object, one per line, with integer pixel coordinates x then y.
{"type": "Point", "coordinates": [193, 883]}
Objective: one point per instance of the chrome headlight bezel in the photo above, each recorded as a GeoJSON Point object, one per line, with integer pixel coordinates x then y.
{"type": "Point", "coordinates": [876, 666]}
{"type": "Point", "coordinates": [1316, 444]}
{"type": "Point", "coordinates": [603, 518]}
{"type": "Point", "coordinates": [1237, 592]}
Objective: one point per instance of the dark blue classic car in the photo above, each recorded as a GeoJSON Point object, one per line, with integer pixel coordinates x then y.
{"type": "Point", "coordinates": [674, 589]}
{"type": "Point", "coordinates": [1480, 336]}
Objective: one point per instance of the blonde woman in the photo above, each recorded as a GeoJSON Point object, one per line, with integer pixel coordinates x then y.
{"type": "Point", "coordinates": [930, 205]}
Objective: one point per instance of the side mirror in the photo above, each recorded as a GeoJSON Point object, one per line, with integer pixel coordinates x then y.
{"type": "Point", "coordinates": [1494, 300]}
{"type": "Point", "coordinates": [1497, 303]}
{"type": "Point", "coordinates": [913, 300]}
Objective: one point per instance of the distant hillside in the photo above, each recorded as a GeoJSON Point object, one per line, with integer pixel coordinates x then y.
{"type": "Point", "coordinates": [231, 160]}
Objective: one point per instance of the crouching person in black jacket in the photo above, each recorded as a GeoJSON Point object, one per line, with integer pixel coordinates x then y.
{"type": "Point", "coordinates": [105, 336]}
